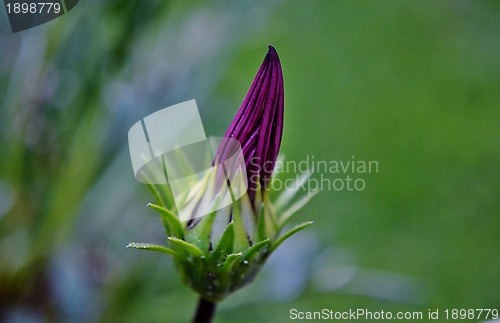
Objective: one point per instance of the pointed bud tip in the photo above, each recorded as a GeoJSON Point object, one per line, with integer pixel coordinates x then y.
{"type": "Point", "coordinates": [272, 54]}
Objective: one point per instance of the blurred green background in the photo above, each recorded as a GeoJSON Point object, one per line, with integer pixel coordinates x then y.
{"type": "Point", "coordinates": [414, 85]}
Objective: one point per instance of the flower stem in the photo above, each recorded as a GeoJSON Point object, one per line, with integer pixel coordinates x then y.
{"type": "Point", "coordinates": [205, 311]}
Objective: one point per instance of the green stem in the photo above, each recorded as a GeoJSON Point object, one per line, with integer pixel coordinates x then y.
{"type": "Point", "coordinates": [205, 311]}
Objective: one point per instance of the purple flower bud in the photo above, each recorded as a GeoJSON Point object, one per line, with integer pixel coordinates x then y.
{"type": "Point", "coordinates": [258, 125]}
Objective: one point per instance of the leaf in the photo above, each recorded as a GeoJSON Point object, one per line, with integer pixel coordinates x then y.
{"type": "Point", "coordinates": [287, 214]}
{"type": "Point", "coordinates": [225, 246]}
{"type": "Point", "coordinates": [174, 227]}
{"type": "Point", "coordinates": [186, 246]}
{"type": "Point", "coordinates": [240, 236]}
{"type": "Point", "coordinates": [287, 235]}
{"type": "Point", "coordinates": [288, 194]}
{"type": "Point", "coordinates": [152, 247]}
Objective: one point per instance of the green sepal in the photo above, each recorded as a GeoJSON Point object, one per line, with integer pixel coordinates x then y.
{"type": "Point", "coordinates": [152, 247]}
{"type": "Point", "coordinates": [248, 216]}
{"type": "Point", "coordinates": [153, 189]}
{"type": "Point", "coordinates": [230, 260]}
{"type": "Point", "coordinates": [166, 194]}
{"type": "Point", "coordinates": [172, 224]}
{"type": "Point", "coordinates": [287, 235]}
{"type": "Point", "coordinates": [183, 164]}
{"type": "Point", "coordinates": [225, 246]}
{"type": "Point", "coordinates": [261, 233]}
{"type": "Point", "coordinates": [185, 246]}
{"type": "Point", "coordinates": [290, 211]}
{"type": "Point", "coordinates": [250, 253]}
{"type": "Point", "coordinates": [272, 220]}
{"type": "Point", "coordinates": [288, 194]}
{"type": "Point", "coordinates": [240, 236]}
{"type": "Point", "coordinates": [156, 195]}
{"type": "Point", "coordinates": [199, 235]}
{"type": "Point", "coordinates": [266, 225]}
{"type": "Point", "coordinates": [257, 200]}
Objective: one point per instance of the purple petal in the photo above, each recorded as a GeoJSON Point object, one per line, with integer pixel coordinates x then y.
{"type": "Point", "coordinates": [258, 124]}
